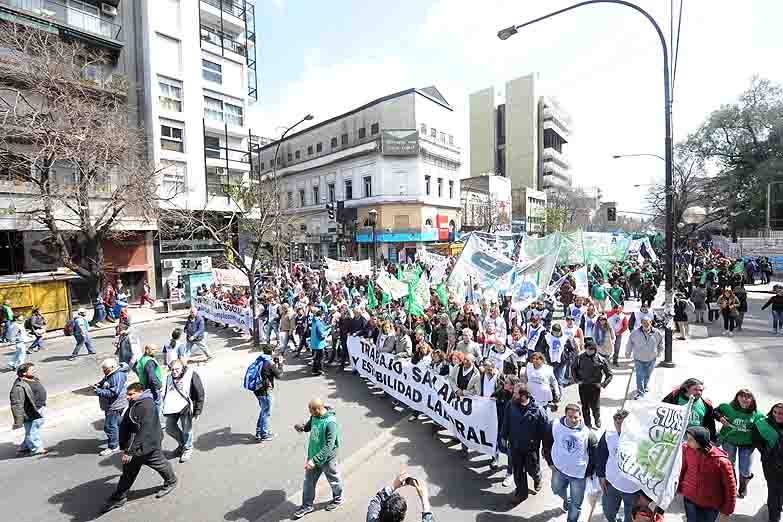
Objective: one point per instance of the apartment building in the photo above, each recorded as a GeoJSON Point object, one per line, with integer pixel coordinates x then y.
{"type": "Point", "coordinates": [521, 135]}
{"type": "Point", "coordinates": [396, 155]}
{"type": "Point", "coordinates": [485, 204]}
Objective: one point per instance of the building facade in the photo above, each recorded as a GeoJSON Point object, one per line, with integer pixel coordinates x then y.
{"type": "Point", "coordinates": [521, 137]}
{"type": "Point", "coordinates": [395, 155]}
{"type": "Point", "coordinates": [485, 204]}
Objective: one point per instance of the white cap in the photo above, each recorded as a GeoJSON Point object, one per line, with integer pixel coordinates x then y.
{"type": "Point", "coordinates": [82, 311]}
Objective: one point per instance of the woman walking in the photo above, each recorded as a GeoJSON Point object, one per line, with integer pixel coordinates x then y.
{"type": "Point", "coordinates": [776, 313]}
{"type": "Point", "coordinates": [738, 418]}
{"type": "Point", "coordinates": [728, 304]}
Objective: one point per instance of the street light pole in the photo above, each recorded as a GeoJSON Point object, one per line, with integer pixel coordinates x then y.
{"type": "Point", "coordinates": [506, 33]}
{"type": "Point", "coordinates": [373, 216]}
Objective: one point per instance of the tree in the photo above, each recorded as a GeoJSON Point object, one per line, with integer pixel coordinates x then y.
{"type": "Point", "coordinates": [563, 205]}
{"type": "Point", "coordinates": [67, 144]}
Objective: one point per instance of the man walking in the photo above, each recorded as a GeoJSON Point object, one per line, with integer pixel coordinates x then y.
{"type": "Point", "coordinates": [321, 456]}
{"type": "Point", "coordinates": [645, 345]}
{"type": "Point", "coordinates": [524, 427]}
{"type": "Point", "coordinates": [81, 333]}
{"type": "Point", "coordinates": [28, 403]}
{"type": "Point", "coordinates": [17, 335]}
{"type": "Point", "coordinates": [140, 440]}
{"type": "Point", "coordinates": [619, 323]}
{"type": "Point", "coordinates": [569, 449]}
{"type": "Point", "coordinates": [195, 333]}
{"type": "Point", "coordinates": [591, 370]}
{"type": "Point", "coordinates": [318, 334]}
{"type": "Point", "coordinates": [111, 397]}
{"type": "Point", "coordinates": [149, 372]}
{"type": "Point", "coordinates": [38, 326]}
{"type": "Point", "coordinates": [616, 486]}
{"type": "Point", "coordinates": [183, 402]}
{"type": "Point", "coordinates": [260, 379]}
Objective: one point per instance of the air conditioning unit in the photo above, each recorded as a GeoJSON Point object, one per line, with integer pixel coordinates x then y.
{"type": "Point", "coordinates": [108, 10]}
{"type": "Point", "coordinates": [167, 263]}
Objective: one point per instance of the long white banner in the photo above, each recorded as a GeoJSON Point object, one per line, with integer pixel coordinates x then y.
{"type": "Point", "coordinates": [357, 268]}
{"type": "Point", "coordinates": [224, 313]}
{"type": "Point", "coordinates": [473, 420]}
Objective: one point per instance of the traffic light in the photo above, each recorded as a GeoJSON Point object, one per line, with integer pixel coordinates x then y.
{"type": "Point", "coordinates": [330, 210]}
{"type": "Point", "coordinates": [611, 214]}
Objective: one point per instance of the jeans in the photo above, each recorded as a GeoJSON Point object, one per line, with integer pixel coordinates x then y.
{"type": "Point", "coordinates": [329, 468]}
{"type": "Point", "coordinates": [728, 321]}
{"type": "Point", "coordinates": [201, 345]}
{"type": "Point", "coordinates": [111, 427]}
{"type": "Point", "coordinates": [37, 343]}
{"type": "Point", "coordinates": [524, 463]}
{"type": "Point", "coordinates": [80, 342]}
{"type": "Point", "coordinates": [32, 434]}
{"type": "Point", "coordinates": [700, 316]}
{"type": "Point", "coordinates": [777, 319]}
{"type": "Point", "coordinates": [561, 483]}
{"type": "Point", "coordinates": [745, 458]}
{"type": "Point", "coordinates": [644, 370]}
{"type": "Point", "coordinates": [272, 326]}
{"type": "Point", "coordinates": [180, 427]}
{"type": "Point", "coordinates": [20, 355]}
{"type": "Point", "coordinates": [130, 471]}
{"type": "Point", "coordinates": [618, 344]}
{"type": "Point", "coordinates": [611, 504]}
{"type": "Point", "coordinates": [318, 361]}
{"type": "Point", "coordinates": [283, 344]}
{"type": "Point", "coordinates": [559, 369]}
{"type": "Point", "coordinates": [694, 513]}
{"type": "Point", "coordinates": [262, 426]}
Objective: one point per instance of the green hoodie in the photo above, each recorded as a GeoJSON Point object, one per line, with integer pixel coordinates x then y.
{"type": "Point", "coordinates": [324, 438]}
{"type": "Point", "coordinates": [738, 432]}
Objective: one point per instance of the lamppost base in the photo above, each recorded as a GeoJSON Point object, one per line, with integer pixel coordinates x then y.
{"type": "Point", "coordinates": [667, 364]}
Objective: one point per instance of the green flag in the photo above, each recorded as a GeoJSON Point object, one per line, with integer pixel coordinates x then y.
{"type": "Point", "coordinates": [739, 267]}
{"type": "Point", "coordinates": [415, 307]}
{"type": "Point", "coordinates": [386, 299]}
{"type": "Point", "coordinates": [443, 295]}
{"type": "Point", "coordinates": [372, 301]}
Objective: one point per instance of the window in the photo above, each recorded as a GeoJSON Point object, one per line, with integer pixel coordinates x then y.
{"type": "Point", "coordinates": [174, 176]}
{"type": "Point", "coordinates": [349, 189]}
{"type": "Point", "coordinates": [374, 129]}
{"type": "Point", "coordinates": [443, 137]}
{"type": "Point", "coordinates": [368, 186]}
{"type": "Point", "coordinates": [234, 115]}
{"type": "Point", "coordinates": [319, 147]}
{"type": "Point", "coordinates": [171, 138]}
{"type": "Point", "coordinates": [433, 132]}
{"type": "Point", "coordinates": [451, 189]}
{"type": "Point", "coordinates": [451, 139]}
{"type": "Point", "coordinates": [330, 188]}
{"type": "Point", "coordinates": [427, 185]}
{"type": "Point", "coordinates": [261, 166]}
{"type": "Point", "coordinates": [279, 161]}
{"type": "Point", "coordinates": [334, 143]}
{"type": "Point", "coordinates": [168, 51]}
{"type": "Point", "coordinates": [212, 147]}
{"type": "Point", "coordinates": [440, 187]}
{"type": "Point", "coordinates": [289, 200]}
{"type": "Point", "coordinates": [316, 195]}
{"type": "Point", "coordinates": [344, 139]}
{"type": "Point", "coordinates": [309, 150]}
{"type": "Point", "coordinates": [170, 97]}
{"type": "Point", "coordinates": [362, 133]}
{"type": "Point", "coordinates": [217, 110]}
{"type": "Point", "coordinates": [297, 155]}
{"type": "Point", "coordinates": [290, 157]}
{"type": "Point", "coordinates": [211, 71]}
{"type": "Point", "coordinates": [301, 197]}
{"type": "Point", "coordinates": [423, 129]}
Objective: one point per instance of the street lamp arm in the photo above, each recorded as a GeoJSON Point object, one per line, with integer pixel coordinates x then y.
{"type": "Point", "coordinates": [618, 156]}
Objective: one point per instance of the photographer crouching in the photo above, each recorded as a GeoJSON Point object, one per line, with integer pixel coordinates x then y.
{"type": "Point", "coordinates": [389, 506]}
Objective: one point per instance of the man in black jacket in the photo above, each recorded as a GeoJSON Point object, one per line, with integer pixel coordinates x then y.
{"type": "Point", "coordinates": [140, 438]}
{"type": "Point", "coordinates": [591, 370]}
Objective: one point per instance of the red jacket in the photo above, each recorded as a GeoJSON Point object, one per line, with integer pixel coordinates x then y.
{"type": "Point", "coordinates": [707, 479]}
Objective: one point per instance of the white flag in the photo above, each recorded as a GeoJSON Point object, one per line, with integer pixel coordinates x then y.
{"type": "Point", "coordinates": [650, 450]}
{"type": "Point", "coordinates": [581, 282]}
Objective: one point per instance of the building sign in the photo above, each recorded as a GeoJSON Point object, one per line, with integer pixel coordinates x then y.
{"type": "Point", "coordinates": [193, 265]}
{"type": "Point", "coordinates": [401, 142]}
{"type": "Point", "coordinates": [443, 227]}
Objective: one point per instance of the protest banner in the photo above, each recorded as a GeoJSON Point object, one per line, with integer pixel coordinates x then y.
{"type": "Point", "coordinates": [357, 268]}
{"type": "Point", "coordinates": [580, 276]}
{"type": "Point", "coordinates": [392, 286]}
{"type": "Point", "coordinates": [472, 419]}
{"type": "Point", "coordinates": [650, 449]}
{"type": "Point", "coordinates": [223, 312]}
{"type": "Point", "coordinates": [480, 264]}
{"type": "Point", "coordinates": [229, 277]}
{"type": "Point", "coordinates": [438, 264]}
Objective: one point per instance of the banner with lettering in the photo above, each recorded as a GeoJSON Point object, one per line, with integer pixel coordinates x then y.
{"type": "Point", "coordinates": [392, 286]}
{"type": "Point", "coordinates": [223, 312]}
{"type": "Point", "coordinates": [650, 449]}
{"type": "Point", "coordinates": [357, 268]}
{"type": "Point", "coordinates": [472, 419]}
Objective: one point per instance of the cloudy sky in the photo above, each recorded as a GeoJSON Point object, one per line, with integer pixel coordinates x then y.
{"type": "Point", "coordinates": [602, 62]}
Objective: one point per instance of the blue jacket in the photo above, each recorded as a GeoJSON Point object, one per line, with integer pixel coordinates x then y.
{"type": "Point", "coordinates": [524, 426]}
{"type": "Point", "coordinates": [318, 335]}
{"type": "Point", "coordinates": [194, 327]}
{"type": "Point", "coordinates": [111, 390]}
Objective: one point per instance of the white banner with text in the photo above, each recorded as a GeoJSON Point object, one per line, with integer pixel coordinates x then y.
{"type": "Point", "coordinates": [224, 313]}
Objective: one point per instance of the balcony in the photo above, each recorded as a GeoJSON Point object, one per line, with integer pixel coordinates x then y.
{"type": "Point", "coordinates": [556, 121]}
{"type": "Point", "coordinates": [224, 41]}
{"type": "Point", "coordinates": [552, 155]}
{"type": "Point", "coordinates": [70, 20]}
{"type": "Point", "coordinates": [222, 156]}
{"type": "Point", "coordinates": [235, 8]}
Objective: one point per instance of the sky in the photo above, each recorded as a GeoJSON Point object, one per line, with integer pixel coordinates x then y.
{"type": "Point", "coordinates": [603, 63]}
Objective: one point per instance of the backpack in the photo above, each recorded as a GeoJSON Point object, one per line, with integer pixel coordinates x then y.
{"type": "Point", "coordinates": [255, 377]}
{"type": "Point", "coordinates": [69, 328]}
{"type": "Point", "coordinates": [28, 323]}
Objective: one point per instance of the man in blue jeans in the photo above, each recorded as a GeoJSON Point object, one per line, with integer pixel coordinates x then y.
{"type": "Point", "coordinates": [81, 333]}
{"type": "Point", "coordinates": [28, 405]}
{"type": "Point", "coordinates": [569, 449]}
{"type": "Point", "coordinates": [113, 401]}
{"type": "Point", "coordinates": [617, 487]}
{"type": "Point", "coordinates": [273, 369]}
{"type": "Point", "coordinates": [645, 345]}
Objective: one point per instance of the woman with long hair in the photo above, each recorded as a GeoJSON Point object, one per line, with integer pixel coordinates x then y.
{"type": "Point", "coordinates": [738, 418]}
{"type": "Point", "coordinates": [728, 304]}
{"type": "Point", "coordinates": [604, 336]}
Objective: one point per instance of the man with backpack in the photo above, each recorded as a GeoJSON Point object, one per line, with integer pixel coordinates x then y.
{"type": "Point", "coordinates": [81, 333]}
{"type": "Point", "coordinates": [260, 379]}
{"type": "Point", "coordinates": [7, 317]}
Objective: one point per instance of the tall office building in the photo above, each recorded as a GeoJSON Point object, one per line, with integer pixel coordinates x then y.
{"type": "Point", "coordinates": [521, 137]}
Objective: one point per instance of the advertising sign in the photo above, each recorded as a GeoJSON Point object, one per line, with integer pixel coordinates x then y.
{"type": "Point", "coordinates": [400, 142]}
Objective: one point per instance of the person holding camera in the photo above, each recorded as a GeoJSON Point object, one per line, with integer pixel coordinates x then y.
{"type": "Point", "coordinates": [389, 506]}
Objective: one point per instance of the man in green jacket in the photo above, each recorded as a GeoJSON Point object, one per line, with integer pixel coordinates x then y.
{"type": "Point", "coordinates": [321, 456]}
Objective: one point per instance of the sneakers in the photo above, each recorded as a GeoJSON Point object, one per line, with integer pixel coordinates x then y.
{"type": "Point", "coordinates": [413, 418]}
{"type": "Point", "coordinates": [186, 455]}
{"type": "Point", "coordinates": [302, 511]}
{"type": "Point", "coordinates": [565, 506]}
{"type": "Point", "coordinates": [23, 453]}
{"type": "Point", "coordinates": [108, 451]}
{"type": "Point", "coordinates": [166, 489]}
{"type": "Point", "coordinates": [267, 437]}
{"type": "Point", "coordinates": [114, 504]}
{"type": "Point", "coordinates": [72, 358]}
{"type": "Point", "coordinates": [494, 464]}
{"type": "Point", "coordinates": [537, 485]}
{"type": "Point", "coordinates": [41, 452]}
{"type": "Point", "coordinates": [334, 504]}
{"type": "Point", "coordinates": [508, 481]}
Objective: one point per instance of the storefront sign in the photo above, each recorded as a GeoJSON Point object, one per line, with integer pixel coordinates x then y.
{"type": "Point", "coordinates": [193, 265]}
{"type": "Point", "coordinates": [401, 142]}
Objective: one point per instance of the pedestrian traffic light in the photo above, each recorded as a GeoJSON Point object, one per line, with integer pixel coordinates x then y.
{"type": "Point", "coordinates": [330, 210]}
{"type": "Point", "coordinates": [611, 214]}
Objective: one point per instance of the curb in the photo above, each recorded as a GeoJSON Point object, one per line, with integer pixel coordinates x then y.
{"type": "Point", "coordinates": [55, 334]}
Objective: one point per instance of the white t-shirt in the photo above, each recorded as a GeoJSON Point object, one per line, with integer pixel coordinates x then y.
{"type": "Point", "coordinates": [538, 383]}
